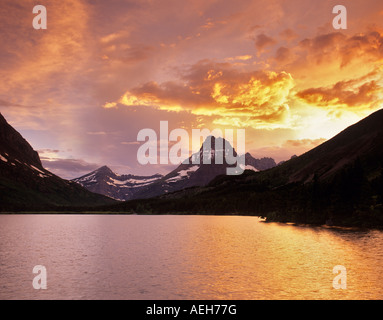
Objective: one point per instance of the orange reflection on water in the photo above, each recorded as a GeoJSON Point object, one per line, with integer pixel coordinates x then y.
{"type": "Point", "coordinates": [242, 258]}
{"type": "Point", "coordinates": [184, 257]}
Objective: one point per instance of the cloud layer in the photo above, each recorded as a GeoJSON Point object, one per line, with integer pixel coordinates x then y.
{"type": "Point", "coordinates": [241, 99]}
{"type": "Point", "coordinates": [104, 70]}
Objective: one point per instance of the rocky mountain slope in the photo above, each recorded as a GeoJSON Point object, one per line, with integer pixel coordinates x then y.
{"type": "Point", "coordinates": [26, 185]}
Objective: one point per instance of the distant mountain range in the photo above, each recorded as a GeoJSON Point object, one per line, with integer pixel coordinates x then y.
{"type": "Point", "coordinates": [186, 175]}
{"type": "Point", "coordinates": [339, 182]}
{"type": "Point", "coordinates": [26, 185]}
{"type": "Point", "coordinates": [122, 187]}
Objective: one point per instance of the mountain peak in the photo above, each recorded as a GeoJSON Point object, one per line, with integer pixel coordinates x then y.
{"type": "Point", "coordinates": [16, 146]}
{"type": "Point", "coordinates": [104, 172]}
{"type": "Point", "coordinates": [26, 185]}
{"type": "Point", "coordinates": [187, 174]}
{"type": "Point", "coordinates": [105, 169]}
{"type": "Point", "coordinates": [213, 140]}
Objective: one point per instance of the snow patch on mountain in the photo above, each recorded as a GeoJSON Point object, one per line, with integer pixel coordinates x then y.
{"type": "Point", "coordinates": [135, 181]}
{"type": "Point", "coordinates": [185, 173]}
{"type": "Point", "coordinates": [197, 170]}
{"type": "Point", "coordinates": [182, 174]}
{"type": "Point", "coordinates": [249, 167]}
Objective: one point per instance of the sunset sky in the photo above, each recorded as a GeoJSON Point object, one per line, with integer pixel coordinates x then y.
{"type": "Point", "coordinates": [81, 90]}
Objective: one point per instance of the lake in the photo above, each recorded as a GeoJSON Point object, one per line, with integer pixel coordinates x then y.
{"type": "Point", "coordinates": [184, 257]}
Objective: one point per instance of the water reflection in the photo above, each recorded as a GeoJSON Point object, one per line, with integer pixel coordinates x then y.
{"type": "Point", "coordinates": [184, 257]}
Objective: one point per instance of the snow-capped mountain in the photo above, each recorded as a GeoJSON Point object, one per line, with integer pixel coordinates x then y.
{"type": "Point", "coordinates": [120, 187]}
{"type": "Point", "coordinates": [188, 174]}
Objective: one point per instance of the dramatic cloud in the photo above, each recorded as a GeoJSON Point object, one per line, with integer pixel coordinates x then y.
{"type": "Point", "coordinates": [258, 98]}
{"type": "Point", "coordinates": [368, 45]}
{"type": "Point", "coordinates": [104, 70]}
{"type": "Point", "coordinates": [364, 92]}
{"type": "Point", "coordinates": [345, 49]}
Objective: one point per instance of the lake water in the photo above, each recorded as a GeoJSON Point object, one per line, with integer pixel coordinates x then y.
{"type": "Point", "coordinates": [184, 257]}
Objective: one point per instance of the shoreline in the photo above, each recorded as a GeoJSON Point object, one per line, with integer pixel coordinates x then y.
{"type": "Point", "coordinates": [346, 226]}
{"type": "Point", "coordinates": [325, 226]}
{"type": "Point", "coordinates": [337, 226]}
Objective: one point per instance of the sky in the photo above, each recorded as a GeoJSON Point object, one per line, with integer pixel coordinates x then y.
{"type": "Point", "coordinates": [81, 90]}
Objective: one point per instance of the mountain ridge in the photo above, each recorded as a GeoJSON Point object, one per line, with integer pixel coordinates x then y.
{"type": "Point", "coordinates": [106, 182]}
{"type": "Point", "coordinates": [340, 182]}
{"type": "Point", "coordinates": [26, 185]}
{"type": "Point", "coordinates": [188, 174]}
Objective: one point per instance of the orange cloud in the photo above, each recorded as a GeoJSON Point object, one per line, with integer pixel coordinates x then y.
{"type": "Point", "coordinates": [54, 80]}
{"type": "Point", "coordinates": [306, 144]}
{"type": "Point", "coordinates": [258, 98]}
{"type": "Point", "coordinates": [345, 49]}
{"type": "Point", "coordinates": [286, 149]}
{"type": "Point", "coordinates": [368, 45]}
{"type": "Point", "coordinates": [39, 66]}
{"type": "Point", "coordinates": [365, 92]}
{"type": "Point", "coordinates": [241, 58]}
{"type": "Point", "coordinates": [262, 41]}
{"type": "Point", "coordinates": [288, 34]}
{"type": "Point", "coordinates": [283, 54]}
